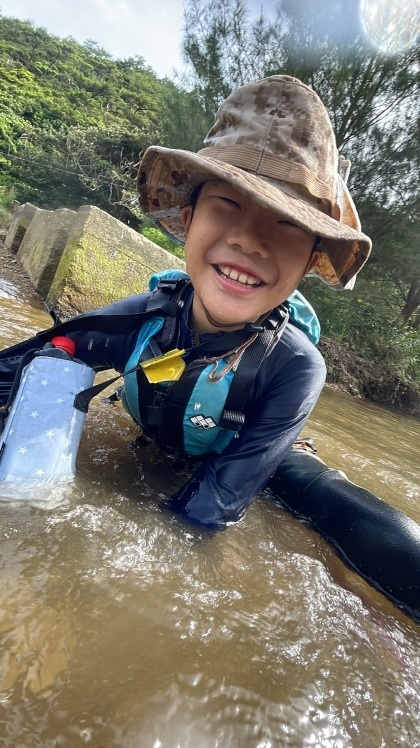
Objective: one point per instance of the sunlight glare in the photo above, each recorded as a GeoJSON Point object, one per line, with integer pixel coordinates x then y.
{"type": "Point", "coordinates": [392, 27]}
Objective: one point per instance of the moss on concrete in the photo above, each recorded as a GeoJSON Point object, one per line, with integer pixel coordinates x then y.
{"type": "Point", "coordinates": [103, 261]}
{"type": "Point", "coordinates": [43, 245]}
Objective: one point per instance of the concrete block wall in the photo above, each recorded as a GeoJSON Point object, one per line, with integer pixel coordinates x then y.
{"type": "Point", "coordinates": [79, 261]}
{"type": "Point", "coordinates": [20, 222]}
{"type": "Point", "coordinates": [103, 260]}
{"type": "Point", "coordinates": [43, 244]}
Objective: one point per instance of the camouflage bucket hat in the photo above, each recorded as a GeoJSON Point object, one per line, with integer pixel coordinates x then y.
{"type": "Point", "coordinates": [272, 141]}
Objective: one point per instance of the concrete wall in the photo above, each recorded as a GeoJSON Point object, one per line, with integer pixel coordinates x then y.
{"type": "Point", "coordinates": [82, 260]}
{"type": "Point", "coordinates": [20, 222]}
{"type": "Point", "coordinates": [103, 260]}
{"type": "Point", "coordinates": [43, 244]}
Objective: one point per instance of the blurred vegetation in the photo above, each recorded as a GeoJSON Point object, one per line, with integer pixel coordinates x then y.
{"type": "Point", "coordinates": [74, 123]}
{"type": "Point", "coordinates": [164, 241]}
{"type": "Point", "coordinates": [6, 206]}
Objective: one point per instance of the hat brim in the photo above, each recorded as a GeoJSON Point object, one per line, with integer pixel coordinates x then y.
{"type": "Point", "coordinates": [167, 177]}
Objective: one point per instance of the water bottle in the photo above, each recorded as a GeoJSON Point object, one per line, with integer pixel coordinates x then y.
{"type": "Point", "coordinates": [43, 430]}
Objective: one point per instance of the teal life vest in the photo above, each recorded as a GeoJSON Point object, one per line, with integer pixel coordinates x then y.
{"type": "Point", "coordinates": [203, 411]}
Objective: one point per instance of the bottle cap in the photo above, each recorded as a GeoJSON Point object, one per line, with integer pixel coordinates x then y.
{"type": "Point", "coordinates": [66, 344]}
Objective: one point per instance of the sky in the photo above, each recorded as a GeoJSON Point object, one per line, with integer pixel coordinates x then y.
{"type": "Point", "coordinates": [152, 29]}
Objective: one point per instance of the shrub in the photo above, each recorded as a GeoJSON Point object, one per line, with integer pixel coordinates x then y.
{"type": "Point", "coordinates": [164, 241]}
{"type": "Point", "coordinates": [6, 202]}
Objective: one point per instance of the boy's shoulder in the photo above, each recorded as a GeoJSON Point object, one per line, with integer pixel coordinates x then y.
{"type": "Point", "coordinates": [134, 304]}
{"type": "Point", "coordinates": [296, 354]}
{"type": "Point", "coordinates": [295, 342]}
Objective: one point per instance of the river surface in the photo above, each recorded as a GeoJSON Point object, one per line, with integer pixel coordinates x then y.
{"type": "Point", "coordinates": [122, 626]}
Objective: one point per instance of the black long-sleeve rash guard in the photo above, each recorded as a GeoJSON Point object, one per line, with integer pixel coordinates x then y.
{"type": "Point", "coordinates": [286, 389]}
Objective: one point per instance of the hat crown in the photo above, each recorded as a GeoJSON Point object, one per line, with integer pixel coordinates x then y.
{"type": "Point", "coordinates": [278, 128]}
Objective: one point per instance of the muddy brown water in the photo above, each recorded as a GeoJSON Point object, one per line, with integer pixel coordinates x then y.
{"type": "Point", "coordinates": [121, 626]}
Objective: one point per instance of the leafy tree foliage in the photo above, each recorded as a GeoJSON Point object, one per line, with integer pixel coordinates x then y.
{"type": "Point", "coordinates": [164, 241]}
{"type": "Point", "coordinates": [224, 49]}
{"type": "Point", "coordinates": [6, 206]}
{"type": "Point", "coordinates": [73, 121]}
{"type": "Point", "coordinates": [183, 120]}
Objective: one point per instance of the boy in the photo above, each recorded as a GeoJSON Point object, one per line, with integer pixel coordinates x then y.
{"type": "Point", "coordinates": [259, 207]}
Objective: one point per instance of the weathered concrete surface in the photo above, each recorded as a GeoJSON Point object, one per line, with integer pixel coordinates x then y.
{"type": "Point", "coordinates": [41, 249]}
{"type": "Point", "coordinates": [103, 260]}
{"type": "Point", "coordinates": [19, 225]}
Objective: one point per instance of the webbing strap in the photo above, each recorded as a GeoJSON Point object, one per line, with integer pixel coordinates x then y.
{"type": "Point", "coordinates": [169, 406]}
{"type": "Point", "coordinates": [243, 381]}
{"type": "Point", "coordinates": [5, 409]}
{"type": "Point", "coordinates": [176, 290]}
{"type": "Point", "coordinates": [165, 300]}
{"type": "Point", "coordinates": [170, 425]}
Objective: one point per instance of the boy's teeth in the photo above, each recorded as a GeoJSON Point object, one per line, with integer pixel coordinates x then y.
{"type": "Point", "coordinates": [233, 274]}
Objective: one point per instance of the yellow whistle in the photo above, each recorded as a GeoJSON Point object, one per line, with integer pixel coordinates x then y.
{"type": "Point", "coordinates": [166, 368]}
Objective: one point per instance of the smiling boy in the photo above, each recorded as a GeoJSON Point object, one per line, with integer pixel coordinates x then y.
{"type": "Point", "coordinates": [258, 208]}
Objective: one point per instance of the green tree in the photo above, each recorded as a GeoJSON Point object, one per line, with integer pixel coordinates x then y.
{"type": "Point", "coordinates": [184, 122]}
{"type": "Point", "coordinates": [73, 122]}
{"type": "Point", "coordinates": [224, 49]}
{"type": "Point", "coordinates": [372, 100]}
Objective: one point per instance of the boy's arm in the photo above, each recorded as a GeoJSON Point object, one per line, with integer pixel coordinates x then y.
{"type": "Point", "coordinates": [98, 350]}
{"type": "Point", "coordinates": [224, 485]}
{"type": "Point", "coordinates": [109, 351]}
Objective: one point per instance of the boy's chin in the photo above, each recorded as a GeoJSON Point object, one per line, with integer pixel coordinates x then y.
{"type": "Point", "coordinates": [228, 322]}
{"type": "Point", "coordinates": [212, 316]}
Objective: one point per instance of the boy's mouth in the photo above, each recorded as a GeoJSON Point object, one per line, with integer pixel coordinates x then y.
{"type": "Point", "coordinates": [244, 279]}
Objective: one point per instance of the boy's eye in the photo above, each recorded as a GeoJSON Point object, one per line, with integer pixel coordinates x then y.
{"type": "Point", "coordinates": [228, 201]}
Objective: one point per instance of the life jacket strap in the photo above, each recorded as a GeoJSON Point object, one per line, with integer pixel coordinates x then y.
{"type": "Point", "coordinates": [169, 298]}
{"type": "Point", "coordinates": [168, 406]}
{"type": "Point", "coordinates": [243, 382]}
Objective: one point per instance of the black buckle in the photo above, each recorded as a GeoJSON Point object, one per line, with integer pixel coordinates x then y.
{"type": "Point", "coordinates": [156, 410]}
{"type": "Point", "coordinates": [170, 284]}
{"type": "Point", "coordinates": [251, 327]}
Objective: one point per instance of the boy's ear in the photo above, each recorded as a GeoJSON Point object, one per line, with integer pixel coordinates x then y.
{"type": "Point", "coordinates": [313, 260]}
{"type": "Point", "coordinates": [186, 217]}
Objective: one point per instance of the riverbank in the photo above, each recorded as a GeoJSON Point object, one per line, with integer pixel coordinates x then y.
{"type": "Point", "coordinates": [347, 372]}
{"type": "Point", "coordinates": [366, 380]}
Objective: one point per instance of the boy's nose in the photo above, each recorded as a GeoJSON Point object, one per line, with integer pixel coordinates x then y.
{"type": "Point", "coordinates": [250, 240]}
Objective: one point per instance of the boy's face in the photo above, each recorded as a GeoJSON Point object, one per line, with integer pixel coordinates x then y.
{"type": "Point", "coordinates": [243, 260]}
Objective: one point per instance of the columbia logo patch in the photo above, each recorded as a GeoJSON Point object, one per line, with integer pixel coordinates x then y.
{"type": "Point", "coordinates": [201, 422]}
